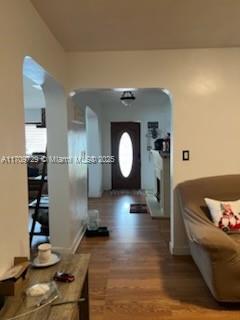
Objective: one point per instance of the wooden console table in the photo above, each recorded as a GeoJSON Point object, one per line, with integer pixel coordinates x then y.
{"type": "Point", "coordinates": [75, 264]}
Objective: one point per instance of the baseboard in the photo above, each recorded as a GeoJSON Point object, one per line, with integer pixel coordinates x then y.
{"type": "Point", "coordinates": [179, 251]}
{"type": "Point", "coordinates": [78, 239]}
{"type": "Point", "coordinates": [61, 250]}
{"type": "Point", "coordinates": [95, 195]}
{"type": "Point", "coordinates": [75, 244]}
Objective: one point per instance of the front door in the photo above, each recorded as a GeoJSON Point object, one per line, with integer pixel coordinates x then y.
{"type": "Point", "coordinates": [125, 141]}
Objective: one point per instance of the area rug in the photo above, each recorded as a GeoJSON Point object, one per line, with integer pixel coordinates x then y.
{"type": "Point", "coordinates": [138, 208]}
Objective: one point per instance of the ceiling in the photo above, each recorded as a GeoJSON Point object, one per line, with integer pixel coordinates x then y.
{"type": "Point", "coordinates": [95, 25]}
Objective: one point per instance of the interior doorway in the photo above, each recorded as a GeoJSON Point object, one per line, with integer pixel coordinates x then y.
{"type": "Point", "coordinates": [35, 153]}
{"type": "Point", "coordinates": [151, 112]}
{"type": "Point", "coordinates": [125, 145]}
{"type": "Point", "coordinates": [49, 203]}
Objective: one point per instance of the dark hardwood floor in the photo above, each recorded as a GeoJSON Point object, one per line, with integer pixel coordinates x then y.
{"type": "Point", "coordinates": [133, 275]}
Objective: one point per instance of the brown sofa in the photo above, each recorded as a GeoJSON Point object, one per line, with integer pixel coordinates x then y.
{"type": "Point", "coordinates": [216, 253]}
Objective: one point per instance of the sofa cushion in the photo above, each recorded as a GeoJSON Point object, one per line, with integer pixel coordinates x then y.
{"type": "Point", "coordinates": [206, 211]}
{"type": "Point", "coordinates": [235, 236]}
{"type": "Point", "coordinates": [225, 214]}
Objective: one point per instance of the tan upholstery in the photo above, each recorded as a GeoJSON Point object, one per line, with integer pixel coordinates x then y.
{"type": "Point", "coordinates": [216, 253]}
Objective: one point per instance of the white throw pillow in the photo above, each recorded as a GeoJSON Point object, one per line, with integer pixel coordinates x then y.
{"type": "Point", "coordinates": [225, 214]}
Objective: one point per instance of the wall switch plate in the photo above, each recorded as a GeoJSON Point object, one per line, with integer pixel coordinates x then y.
{"type": "Point", "coordinates": [185, 155]}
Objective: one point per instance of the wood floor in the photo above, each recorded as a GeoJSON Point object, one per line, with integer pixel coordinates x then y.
{"type": "Point", "coordinates": [133, 276]}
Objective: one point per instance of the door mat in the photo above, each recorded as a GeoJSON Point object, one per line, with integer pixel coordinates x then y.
{"type": "Point", "coordinates": [100, 232]}
{"type": "Point", "coordinates": [138, 208]}
{"type": "Point", "coordinates": [127, 192]}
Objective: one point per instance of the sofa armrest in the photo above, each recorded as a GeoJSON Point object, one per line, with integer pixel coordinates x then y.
{"type": "Point", "coordinates": [215, 241]}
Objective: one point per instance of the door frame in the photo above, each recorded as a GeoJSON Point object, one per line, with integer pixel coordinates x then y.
{"type": "Point", "coordinates": [140, 150]}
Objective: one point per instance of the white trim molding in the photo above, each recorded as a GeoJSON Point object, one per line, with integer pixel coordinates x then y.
{"type": "Point", "coordinates": [78, 239]}
{"type": "Point", "coordinates": [75, 244]}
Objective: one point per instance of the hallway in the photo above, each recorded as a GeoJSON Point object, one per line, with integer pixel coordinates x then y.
{"type": "Point", "coordinates": [133, 275]}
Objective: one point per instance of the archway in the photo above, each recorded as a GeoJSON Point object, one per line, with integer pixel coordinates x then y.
{"type": "Point", "coordinates": [93, 98]}
{"type": "Point", "coordinates": [57, 149]}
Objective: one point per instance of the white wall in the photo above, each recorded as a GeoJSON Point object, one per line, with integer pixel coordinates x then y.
{"type": "Point", "coordinates": [204, 84]}
{"type": "Point", "coordinates": [32, 115]}
{"type": "Point", "coordinates": [33, 95]}
{"type": "Point", "coordinates": [22, 33]}
{"type": "Point", "coordinates": [58, 182]}
{"type": "Point", "coordinates": [77, 148]}
{"type": "Point", "coordinates": [94, 149]}
{"type": "Point", "coordinates": [93, 107]}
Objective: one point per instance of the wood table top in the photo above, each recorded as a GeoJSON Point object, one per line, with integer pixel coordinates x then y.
{"type": "Point", "coordinates": [74, 264]}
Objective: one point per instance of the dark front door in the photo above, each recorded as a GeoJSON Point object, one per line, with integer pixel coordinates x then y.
{"type": "Point", "coordinates": [126, 170]}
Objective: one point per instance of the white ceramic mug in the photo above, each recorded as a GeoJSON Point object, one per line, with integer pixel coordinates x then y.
{"type": "Point", "coordinates": [44, 252]}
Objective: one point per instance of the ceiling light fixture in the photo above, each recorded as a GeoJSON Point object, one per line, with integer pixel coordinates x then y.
{"type": "Point", "coordinates": [72, 94]}
{"type": "Point", "coordinates": [127, 98]}
{"type": "Point", "coordinates": [124, 89]}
